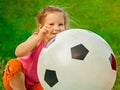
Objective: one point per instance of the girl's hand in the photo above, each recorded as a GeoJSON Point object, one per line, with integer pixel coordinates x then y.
{"type": "Point", "coordinates": [28, 45]}
{"type": "Point", "coordinates": [44, 32]}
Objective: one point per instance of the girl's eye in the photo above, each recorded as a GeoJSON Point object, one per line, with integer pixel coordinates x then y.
{"type": "Point", "coordinates": [51, 24]}
{"type": "Point", "coordinates": [60, 24]}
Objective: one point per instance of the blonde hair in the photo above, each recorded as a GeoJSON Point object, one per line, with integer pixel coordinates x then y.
{"type": "Point", "coordinates": [40, 17]}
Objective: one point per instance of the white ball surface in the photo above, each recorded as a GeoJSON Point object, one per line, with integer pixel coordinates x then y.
{"type": "Point", "coordinates": [77, 59]}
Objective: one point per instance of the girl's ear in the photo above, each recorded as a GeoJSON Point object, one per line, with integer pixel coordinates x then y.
{"type": "Point", "coordinates": [39, 26]}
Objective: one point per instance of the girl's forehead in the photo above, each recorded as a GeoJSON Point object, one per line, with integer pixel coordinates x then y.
{"type": "Point", "coordinates": [56, 13]}
{"type": "Point", "coordinates": [55, 16]}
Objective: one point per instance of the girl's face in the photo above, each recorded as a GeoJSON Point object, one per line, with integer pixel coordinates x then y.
{"type": "Point", "coordinates": [55, 21]}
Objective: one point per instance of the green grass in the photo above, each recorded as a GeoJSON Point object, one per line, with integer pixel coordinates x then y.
{"type": "Point", "coordinates": [17, 22]}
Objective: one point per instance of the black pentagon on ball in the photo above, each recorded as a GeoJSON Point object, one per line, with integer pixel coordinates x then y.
{"type": "Point", "coordinates": [50, 77]}
{"type": "Point", "coordinates": [79, 52]}
{"type": "Point", "coordinates": [112, 62]}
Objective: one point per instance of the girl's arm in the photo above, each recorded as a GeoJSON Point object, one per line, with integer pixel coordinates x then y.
{"type": "Point", "coordinates": [25, 47]}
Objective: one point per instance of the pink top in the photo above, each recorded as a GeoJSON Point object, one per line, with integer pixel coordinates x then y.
{"type": "Point", "coordinates": [29, 63]}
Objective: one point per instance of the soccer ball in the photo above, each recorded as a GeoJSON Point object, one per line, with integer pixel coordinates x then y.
{"type": "Point", "coordinates": [77, 59]}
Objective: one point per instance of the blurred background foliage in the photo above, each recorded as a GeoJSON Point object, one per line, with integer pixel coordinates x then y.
{"type": "Point", "coordinates": [17, 22]}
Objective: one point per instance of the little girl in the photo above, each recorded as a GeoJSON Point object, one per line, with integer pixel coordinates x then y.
{"type": "Point", "coordinates": [21, 73]}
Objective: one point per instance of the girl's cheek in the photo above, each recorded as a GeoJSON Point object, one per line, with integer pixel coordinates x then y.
{"type": "Point", "coordinates": [63, 29]}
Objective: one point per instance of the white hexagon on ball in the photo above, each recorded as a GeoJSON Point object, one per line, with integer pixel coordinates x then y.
{"type": "Point", "coordinates": [77, 59]}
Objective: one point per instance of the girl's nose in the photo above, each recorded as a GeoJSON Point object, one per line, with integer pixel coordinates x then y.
{"type": "Point", "coordinates": [56, 28]}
